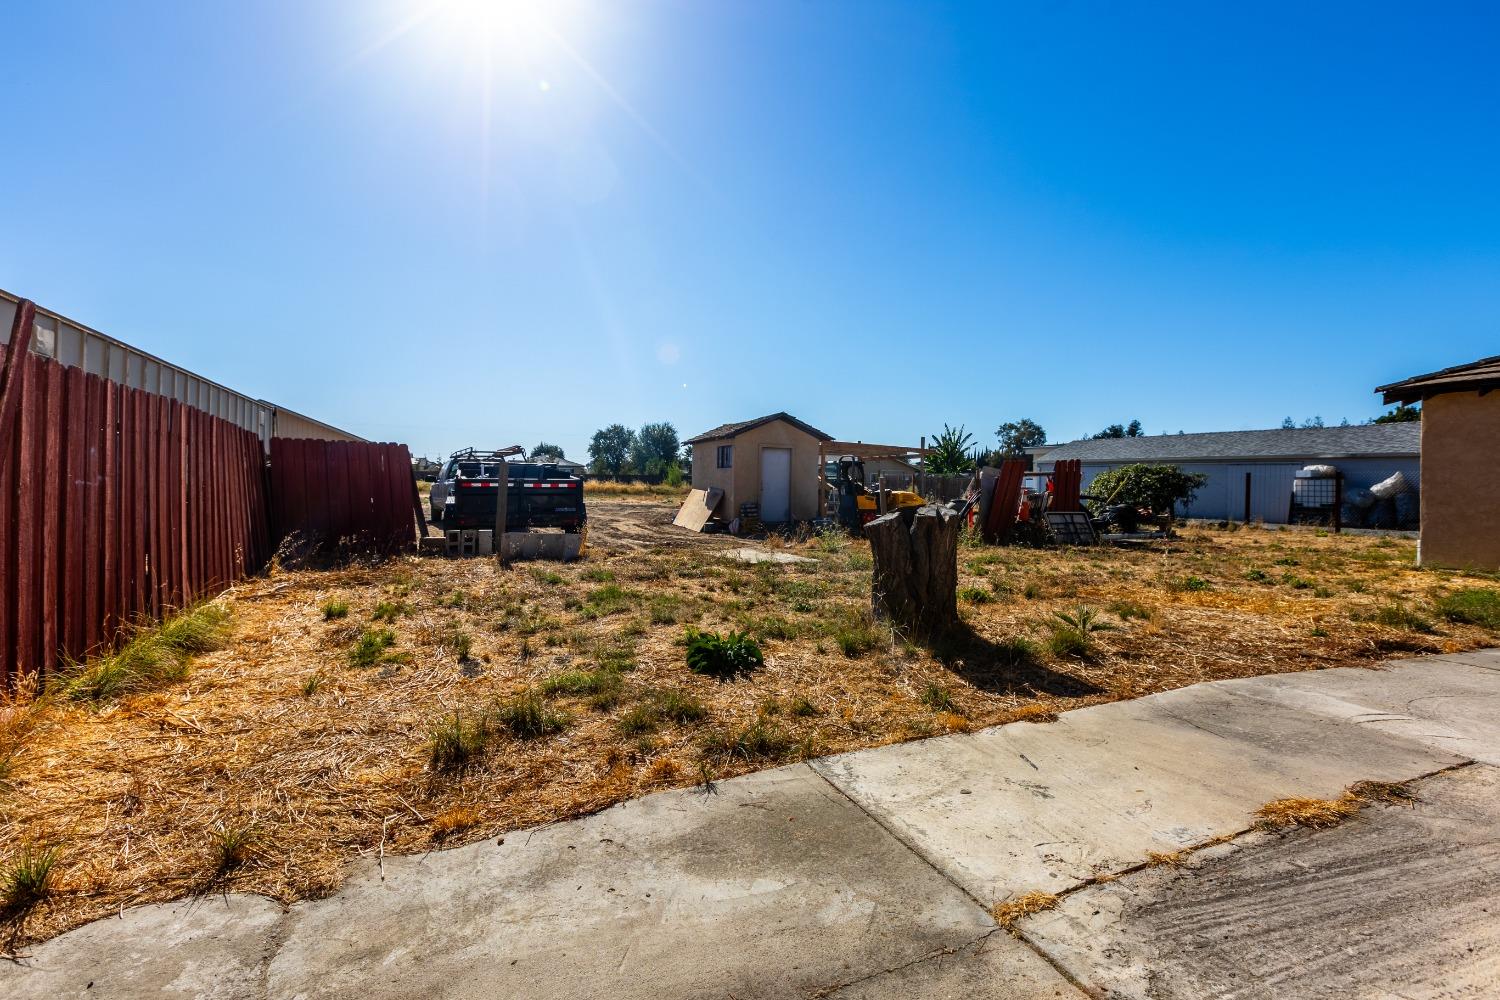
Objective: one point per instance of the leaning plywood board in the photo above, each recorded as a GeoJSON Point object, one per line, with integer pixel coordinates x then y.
{"type": "Point", "coordinates": [697, 508]}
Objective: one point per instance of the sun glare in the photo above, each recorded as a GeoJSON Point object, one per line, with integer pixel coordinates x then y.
{"type": "Point", "coordinates": [522, 29]}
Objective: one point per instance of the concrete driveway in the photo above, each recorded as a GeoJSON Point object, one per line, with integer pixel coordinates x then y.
{"type": "Point", "coordinates": [872, 874]}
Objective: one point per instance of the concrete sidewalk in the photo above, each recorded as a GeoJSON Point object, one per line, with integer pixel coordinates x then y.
{"type": "Point", "coordinates": [871, 874]}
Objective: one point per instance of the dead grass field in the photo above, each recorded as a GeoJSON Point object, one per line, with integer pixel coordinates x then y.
{"type": "Point", "coordinates": [453, 700]}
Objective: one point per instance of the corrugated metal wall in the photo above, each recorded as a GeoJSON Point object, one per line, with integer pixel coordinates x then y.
{"type": "Point", "coordinates": [1223, 495]}
{"type": "Point", "coordinates": [78, 346]}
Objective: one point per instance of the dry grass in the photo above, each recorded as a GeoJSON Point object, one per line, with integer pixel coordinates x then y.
{"type": "Point", "coordinates": [1008, 913]}
{"type": "Point", "coordinates": [1319, 814]}
{"type": "Point", "coordinates": [585, 698]}
{"type": "Point", "coordinates": [592, 489]}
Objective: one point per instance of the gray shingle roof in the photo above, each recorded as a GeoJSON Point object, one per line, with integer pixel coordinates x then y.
{"type": "Point", "coordinates": [1298, 443]}
{"type": "Point", "coordinates": [730, 430]}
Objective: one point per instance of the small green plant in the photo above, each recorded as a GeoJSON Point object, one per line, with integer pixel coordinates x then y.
{"type": "Point", "coordinates": [1126, 610]}
{"type": "Point", "coordinates": [937, 698]}
{"type": "Point", "coordinates": [802, 708]}
{"type": "Point", "coordinates": [548, 577]}
{"type": "Point", "coordinates": [1400, 616]}
{"type": "Point", "coordinates": [312, 685]}
{"type": "Point", "coordinates": [974, 595]}
{"type": "Point", "coordinates": [757, 741]}
{"type": "Point", "coordinates": [856, 632]}
{"type": "Point", "coordinates": [1084, 619]}
{"type": "Point", "coordinates": [639, 719]}
{"type": "Point", "coordinates": [528, 717]}
{"type": "Point", "coordinates": [335, 609]}
{"type": "Point", "coordinates": [27, 880]}
{"type": "Point", "coordinates": [679, 706]}
{"type": "Point", "coordinates": [454, 741]}
{"type": "Point", "coordinates": [1192, 583]}
{"type": "Point", "coordinates": [1258, 576]}
{"type": "Point", "coordinates": [1296, 582]}
{"type": "Point", "coordinates": [598, 574]}
{"type": "Point", "coordinates": [581, 683]}
{"type": "Point", "coordinates": [389, 611]}
{"type": "Point", "coordinates": [371, 647]}
{"type": "Point", "coordinates": [1031, 591]}
{"type": "Point", "coordinates": [456, 641]}
{"type": "Point", "coordinates": [231, 845]}
{"type": "Point", "coordinates": [723, 656]}
{"type": "Point", "coordinates": [610, 599]}
{"type": "Point", "coordinates": [1471, 606]}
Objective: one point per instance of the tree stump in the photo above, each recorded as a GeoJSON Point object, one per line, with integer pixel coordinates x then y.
{"type": "Point", "coordinates": [915, 580]}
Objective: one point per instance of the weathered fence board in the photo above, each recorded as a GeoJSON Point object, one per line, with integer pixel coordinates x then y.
{"type": "Point", "coordinates": [116, 505]}
{"type": "Point", "coordinates": [350, 494]}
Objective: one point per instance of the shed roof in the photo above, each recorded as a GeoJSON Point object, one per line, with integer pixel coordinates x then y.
{"type": "Point", "coordinates": [733, 430]}
{"type": "Point", "coordinates": [1297, 443]}
{"type": "Point", "coordinates": [1481, 376]}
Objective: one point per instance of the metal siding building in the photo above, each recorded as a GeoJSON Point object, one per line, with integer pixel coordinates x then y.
{"type": "Point", "coordinates": [78, 346]}
{"type": "Point", "coordinates": [1364, 454]}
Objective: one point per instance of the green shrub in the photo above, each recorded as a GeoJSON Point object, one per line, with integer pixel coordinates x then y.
{"type": "Point", "coordinates": [1158, 488]}
{"type": "Point", "coordinates": [1192, 583]}
{"type": "Point", "coordinates": [722, 656]}
{"type": "Point", "coordinates": [856, 632]}
{"type": "Point", "coordinates": [1258, 576]}
{"type": "Point", "coordinates": [974, 595]}
{"type": "Point", "coordinates": [334, 609]}
{"type": "Point", "coordinates": [679, 706]}
{"type": "Point", "coordinates": [1471, 606]}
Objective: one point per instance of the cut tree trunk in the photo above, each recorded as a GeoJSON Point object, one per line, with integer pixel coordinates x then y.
{"type": "Point", "coordinates": [915, 580]}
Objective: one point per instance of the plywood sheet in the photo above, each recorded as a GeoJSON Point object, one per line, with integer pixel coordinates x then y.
{"type": "Point", "coordinates": [697, 508]}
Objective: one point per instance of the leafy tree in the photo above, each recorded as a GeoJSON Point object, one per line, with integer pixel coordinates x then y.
{"type": "Point", "coordinates": [1131, 430]}
{"type": "Point", "coordinates": [1402, 414]}
{"type": "Point", "coordinates": [610, 448]}
{"type": "Point", "coordinates": [655, 449]}
{"type": "Point", "coordinates": [950, 452]}
{"type": "Point", "coordinates": [1018, 435]}
{"type": "Point", "coordinates": [1287, 423]}
{"type": "Point", "coordinates": [545, 450]}
{"type": "Point", "coordinates": [1313, 422]}
{"type": "Point", "coordinates": [1157, 488]}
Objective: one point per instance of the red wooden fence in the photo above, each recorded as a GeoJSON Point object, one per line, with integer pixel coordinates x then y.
{"type": "Point", "coordinates": [344, 493]}
{"type": "Point", "coordinates": [116, 505]}
{"type": "Point", "coordinates": [1067, 484]}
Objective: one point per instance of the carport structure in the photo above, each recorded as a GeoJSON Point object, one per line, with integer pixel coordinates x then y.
{"type": "Point", "coordinates": [862, 451]}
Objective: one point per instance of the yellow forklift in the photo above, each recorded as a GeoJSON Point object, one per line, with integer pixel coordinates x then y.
{"type": "Point", "coordinates": [858, 504]}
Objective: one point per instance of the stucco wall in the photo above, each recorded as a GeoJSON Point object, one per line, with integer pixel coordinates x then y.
{"type": "Point", "coordinates": [741, 484]}
{"type": "Point", "coordinates": [1461, 481]}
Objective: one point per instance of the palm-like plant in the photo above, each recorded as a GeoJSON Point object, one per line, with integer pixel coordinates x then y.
{"type": "Point", "coordinates": [950, 452]}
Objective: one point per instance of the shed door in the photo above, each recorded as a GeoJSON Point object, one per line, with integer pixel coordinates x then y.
{"type": "Point", "coordinates": [776, 485]}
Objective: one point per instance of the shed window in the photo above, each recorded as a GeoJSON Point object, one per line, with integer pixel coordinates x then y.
{"type": "Point", "coordinates": [725, 456]}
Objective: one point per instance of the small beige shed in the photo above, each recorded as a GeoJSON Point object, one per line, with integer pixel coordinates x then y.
{"type": "Point", "coordinates": [771, 460]}
{"type": "Point", "coordinates": [1460, 476]}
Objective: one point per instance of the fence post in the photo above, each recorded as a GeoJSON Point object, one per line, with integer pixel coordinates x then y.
{"type": "Point", "coordinates": [1247, 498]}
{"type": "Point", "coordinates": [10, 369]}
{"type": "Point", "coordinates": [1338, 502]}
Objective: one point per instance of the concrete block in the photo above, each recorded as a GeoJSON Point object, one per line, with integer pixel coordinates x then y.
{"type": "Point", "coordinates": [484, 543]}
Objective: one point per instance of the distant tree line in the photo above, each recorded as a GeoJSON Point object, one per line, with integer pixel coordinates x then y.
{"type": "Point", "coordinates": [654, 450]}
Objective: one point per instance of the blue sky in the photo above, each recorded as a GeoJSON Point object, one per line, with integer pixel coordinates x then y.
{"type": "Point", "coordinates": [450, 225]}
